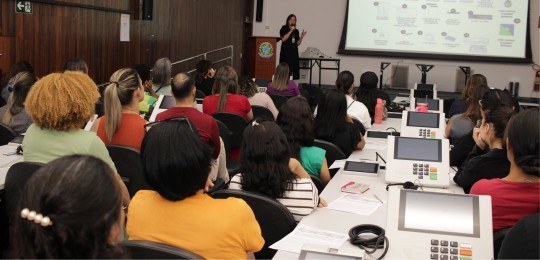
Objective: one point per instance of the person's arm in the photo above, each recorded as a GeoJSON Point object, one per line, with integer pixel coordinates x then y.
{"type": "Point", "coordinates": [302, 37]}
{"type": "Point", "coordinates": [469, 172]}
{"type": "Point", "coordinates": [296, 168]}
{"type": "Point", "coordinates": [247, 107]}
{"type": "Point", "coordinates": [271, 106]}
{"type": "Point", "coordinates": [325, 172]}
{"type": "Point", "coordinates": [448, 126]}
{"type": "Point", "coordinates": [96, 125]}
{"type": "Point", "coordinates": [362, 142]}
{"type": "Point", "coordinates": [250, 230]}
{"type": "Point", "coordinates": [287, 34]}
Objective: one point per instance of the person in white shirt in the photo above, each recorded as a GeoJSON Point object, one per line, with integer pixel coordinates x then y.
{"type": "Point", "coordinates": [356, 109]}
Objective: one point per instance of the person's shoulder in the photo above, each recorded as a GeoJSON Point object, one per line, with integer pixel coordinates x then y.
{"type": "Point", "coordinates": [313, 150]}
{"type": "Point", "coordinates": [485, 186]}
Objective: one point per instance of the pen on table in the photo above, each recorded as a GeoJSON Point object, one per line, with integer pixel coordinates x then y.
{"type": "Point", "coordinates": [377, 197]}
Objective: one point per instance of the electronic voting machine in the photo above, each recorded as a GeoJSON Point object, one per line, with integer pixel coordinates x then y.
{"type": "Point", "coordinates": [163, 103]}
{"type": "Point", "coordinates": [423, 125]}
{"type": "Point", "coordinates": [434, 105]}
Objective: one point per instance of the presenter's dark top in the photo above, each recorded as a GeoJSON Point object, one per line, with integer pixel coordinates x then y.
{"type": "Point", "coordinates": [289, 50]}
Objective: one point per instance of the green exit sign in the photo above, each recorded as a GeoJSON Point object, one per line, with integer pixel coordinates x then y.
{"type": "Point", "coordinates": [24, 7]}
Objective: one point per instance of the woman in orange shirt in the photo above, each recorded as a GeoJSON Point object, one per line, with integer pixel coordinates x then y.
{"type": "Point", "coordinates": [121, 124]}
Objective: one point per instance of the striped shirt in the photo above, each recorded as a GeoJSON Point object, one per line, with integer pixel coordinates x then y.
{"type": "Point", "coordinates": [301, 200]}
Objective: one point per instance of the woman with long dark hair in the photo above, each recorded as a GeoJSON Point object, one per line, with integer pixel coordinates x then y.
{"type": "Point", "coordinates": [290, 40]}
{"type": "Point", "coordinates": [368, 93]}
{"type": "Point", "coordinates": [356, 109]}
{"type": "Point", "coordinates": [461, 124]}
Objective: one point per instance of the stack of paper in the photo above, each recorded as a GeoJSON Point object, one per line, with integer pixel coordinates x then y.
{"type": "Point", "coordinates": [355, 204]}
{"type": "Point", "coordinates": [303, 234]}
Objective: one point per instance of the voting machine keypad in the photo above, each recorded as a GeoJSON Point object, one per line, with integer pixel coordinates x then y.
{"type": "Point", "coordinates": [424, 170]}
{"type": "Point", "coordinates": [427, 133]}
{"type": "Point", "coordinates": [450, 250]}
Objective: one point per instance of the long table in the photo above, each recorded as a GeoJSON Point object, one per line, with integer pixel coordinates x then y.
{"type": "Point", "coordinates": [342, 222]}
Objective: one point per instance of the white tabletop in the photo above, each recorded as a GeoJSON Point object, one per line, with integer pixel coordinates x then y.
{"type": "Point", "coordinates": [7, 158]}
{"type": "Point", "coordinates": [342, 222]}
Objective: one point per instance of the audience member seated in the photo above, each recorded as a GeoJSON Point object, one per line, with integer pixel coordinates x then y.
{"type": "Point", "coordinates": [296, 121]}
{"type": "Point", "coordinates": [7, 84]}
{"type": "Point", "coordinates": [281, 83]}
{"type": "Point", "coordinates": [204, 77]}
{"type": "Point", "coordinates": [355, 109]}
{"type": "Point", "coordinates": [76, 65]}
{"type": "Point", "coordinates": [523, 240]}
{"type": "Point", "coordinates": [162, 77]}
{"type": "Point", "coordinates": [150, 96]}
{"type": "Point", "coordinates": [183, 90]}
{"type": "Point", "coordinates": [459, 106]}
{"type": "Point", "coordinates": [60, 104]}
{"type": "Point", "coordinates": [461, 124]}
{"type": "Point", "coordinates": [64, 214]}
{"type": "Point", "coordinates": [493, 163]}
{"type": "Point", "coordinates": [177, 212]}
{"type": "Point", "coordinates": [14, 114]}
{"type": "Point", "coordinates": [368, 93]}
{"type": "Point", "coordinates": [249, 89]}
{"type": "Point", "coordinates": [269, 169]}
{"type": "Point", "coordinates": [225, 96]}
{"type": "Point", "coordinates": [491, 100]}
{"type": "Point", "coordinates": [332, 124]}
{"type": "Point", "coordinates": [516, 195]}
{"type": "Point", "coordinates": [122, 124]}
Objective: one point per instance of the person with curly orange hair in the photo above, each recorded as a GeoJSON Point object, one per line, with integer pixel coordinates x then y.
{"type": "Point", "coordinates": [60, 104]}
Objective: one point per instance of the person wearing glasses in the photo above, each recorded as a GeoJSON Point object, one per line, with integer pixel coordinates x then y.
{"type": "Point", "coordinates": [177, 211]}
{"type": "Point", "coordinates": [184, 90]}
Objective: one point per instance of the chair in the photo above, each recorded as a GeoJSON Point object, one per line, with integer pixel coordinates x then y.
{"type": "Point", "coordinates": [6, 134]}
{"type": "Point", "coordinates": [278, 100]}
{"type": "Point", "coordinates": [318, 183]}
{"type": "Point", "coordinates": [498, 238]}
{"type": "Point", "coordinates": [16, 178]}
{"type": "Point", "coordinates": [139, 249]}
{"type": "Point", "coordinates": [315, 94]}
{"type": "Point", "coordinates": [199, 95]}
{"type": "Point", "coordinates": [128, 164]}
{"type": "Point", "coordinates": [262, 113]}
{"type": "Point", "coordinates": [233, 167]}
{"type": "Point", "coordinates": [275, 220]}
{"type": "Point", "coordinates": [236, 125]}
{"type": "Point", "coordinates": [333, 153]}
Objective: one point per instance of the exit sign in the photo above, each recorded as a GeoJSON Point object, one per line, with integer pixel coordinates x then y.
{"type": "Point", "coordinates": [24, 7]}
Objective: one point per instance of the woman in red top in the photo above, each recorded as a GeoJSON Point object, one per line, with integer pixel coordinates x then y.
{"type": "Point", "coordinates": [121, 124]}
{"type": "Point", "coordinates": [225, 98]}
{"type": "Point", "coordinates": [517, 194]}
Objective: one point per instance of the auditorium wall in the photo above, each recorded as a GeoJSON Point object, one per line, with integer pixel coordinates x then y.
{"type": "Point", "coordinates": [180, 29]}
{"type": "Point", "coordinates": [323, 20]}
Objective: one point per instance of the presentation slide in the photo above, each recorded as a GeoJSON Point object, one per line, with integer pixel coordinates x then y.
{"type": "Point", "coordinates": [473, 28]}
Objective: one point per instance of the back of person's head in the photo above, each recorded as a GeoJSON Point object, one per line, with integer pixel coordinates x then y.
{"type": "Point", "coordinates": [81, 197]}
{"type": "Point", "coordinates": [495, 98]}
{"type": "Point", "coordinates": [524, 141]}
{"type": "Point", "coordinates": [62, 101]}
{"type": "Point", "coordinates": [22, 82]}
{"type": "Point", "coordinates": [119, 93]}
{"type": "Point", "coordinates": [368, 81]}
{"type": "Point", "coordinates": [296, 120]}
{"type": "Point", "coordinates": [499, 119]}
{"type": "Point", "coordinates": [76, 65]}
{"type": "Point", "coordinates": [265, 159]}
{"type": "Point", "coordinates": [176, 161]}
{"type": "Point", "coordinates": [474, 81]}
{"type": "Point", "coordinates": [203, 67]}
{"type": "Point", "coordinates": [281, 77]}
{"type": "Point", "coordinates": [182, 86]}
{"type": "Point", "coordinates": [248, 87]}
{"type": "Point", "coordinates": [162, 72]}
{"type": "Point", "coordinates": [143, 70]}
{"type": "Point", "coordinates": [345, 81]}
{"type": "Point", "coordinates": [331, 114]}
{"type": "Point", "coordinates": [15, 69]}
{"type": "Point", "coordinates": [226, 82]}
{"type": "Point", "coordinates": [367, 91]}
{"type": "Point", "coordinates": [473, 104]}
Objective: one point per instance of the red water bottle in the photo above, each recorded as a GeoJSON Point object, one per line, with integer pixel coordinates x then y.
{"type": "Point", "coordinates": [379, 108]}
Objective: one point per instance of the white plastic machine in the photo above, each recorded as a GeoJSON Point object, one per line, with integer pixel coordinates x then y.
{"type": "Point", "coordinates": [434, 105]}
{"type": "Point", "coordinates": [427, 225]}
{"type": "Point", "coordinates": [421, 124]}
{"type": "Point", "coordinates": [420, 160]}
{"type": "Point", "coordinates": [163, 103]}
{"type": "Point", "coordinates": [420, 86]}
{"type": "Point", "coordinates": [424, 90]}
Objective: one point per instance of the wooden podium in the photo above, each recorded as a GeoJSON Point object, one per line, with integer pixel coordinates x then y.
{"type": "Point", "coordinates": [262, 56]}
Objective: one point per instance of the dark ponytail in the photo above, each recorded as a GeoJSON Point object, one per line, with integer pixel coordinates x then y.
{"type": "Point", "coordinates": [499, 118]}
{"type": "Point", "coordinates": [524, 141]}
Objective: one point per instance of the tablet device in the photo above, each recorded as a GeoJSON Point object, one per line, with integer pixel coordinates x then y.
{"type": "Point", "coordinates": [361, 168]}
{"type": "Point", "coordinates": [377, 134]}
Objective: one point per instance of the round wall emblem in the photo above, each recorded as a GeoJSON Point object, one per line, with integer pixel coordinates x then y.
{"type": "Point", "coordinates": [266, 50]}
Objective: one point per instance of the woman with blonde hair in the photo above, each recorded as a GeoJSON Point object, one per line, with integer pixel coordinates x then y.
{"type": "Point", "coordinates": [60, 104]}
{"type": "Point", "coordinates": [14, 114]}
{"type": "Point", "coordinates": [281, 83]}
{"type": "Point", "coordinates": [460, 105]}
{"type": "Point", "coordinates": [122, 124]}
{"type": "Point", "coordinates": [162, 77]}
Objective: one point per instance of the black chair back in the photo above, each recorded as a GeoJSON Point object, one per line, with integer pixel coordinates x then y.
{"type": "Point", "coordinates": [275, 220]}
{"type": "Point", "coordinates": [498, 238]}
{"type": "Point", "coordinates": [262, 113]}
{"type": "Point", "coordinates": [139, 249]}
{"type": "Point", "coordinates": [318, 183]}
{"type": "Point", "coordinates": [333, 153]}
{"type": "Point", "coordinates": [278, 100]}
{"type": "Point", "coordinates": [236, 125]}
{"type": "Point", "coordinates": [315, 94]}
{"type": "Point", "coordinates": [199, 94]}
{"type": "Point", "coordinates": [128, 164]}
{"type": "Point", "coordinates": [16, 178]}
{"type": "Point", "coordinates": [6, 134]}
{"type": "Point", "coordinates": [233, 167]}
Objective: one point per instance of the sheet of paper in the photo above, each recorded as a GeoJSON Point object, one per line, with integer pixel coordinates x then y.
{"type": "Point", "coordinates": [8, 156]}
{"type": "Point", "coordinates": [355, 204]}
{"type": "Point", "coordinates": [337, 164]}
{"type": "Point", "coordinates": [303, 234]}
{"type": "Point", "coordinates": [375, 146]}
{"type": "Point", "coordinates": [124, 27]}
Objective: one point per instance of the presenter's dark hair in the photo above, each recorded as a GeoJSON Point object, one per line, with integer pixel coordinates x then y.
{"type": "Point", "coordinates": [176, 161]}
{"type": "Point", "coordinates": [265, 159]}
{"type": "Point", "coordinates": [82, 213]}
{"type": "Point", "coordinates": [524, 141]}
{"type": "Point", "coordinates": [289, 18]}
{"type": "Point", "coordinates": [296, 120]}
{"type": "Point", "coordinates": [331, 115]}
{"type": "Point", "coordinates": [344, 81]}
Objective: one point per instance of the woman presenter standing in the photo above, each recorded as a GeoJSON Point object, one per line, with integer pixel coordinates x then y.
{"type": "Point", "coordinates": [290, 40]}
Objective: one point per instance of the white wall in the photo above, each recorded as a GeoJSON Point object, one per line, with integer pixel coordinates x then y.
{"type": "Point", "coordinates": [323, 19]}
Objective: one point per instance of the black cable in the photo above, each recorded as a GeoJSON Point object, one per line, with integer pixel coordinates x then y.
{"type": "Point", "coordinates": [370, 245]}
